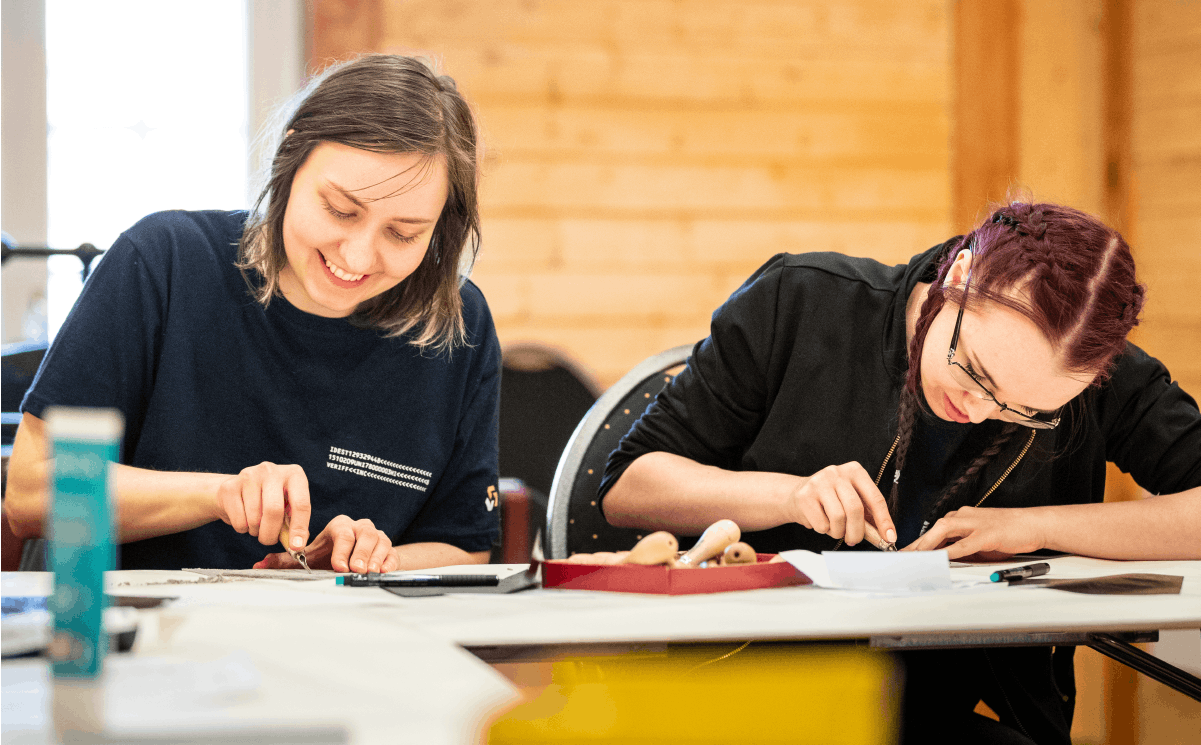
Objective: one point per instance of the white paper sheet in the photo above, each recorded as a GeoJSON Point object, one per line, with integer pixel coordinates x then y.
{"type": "Point", "coordinates": [892, 572]}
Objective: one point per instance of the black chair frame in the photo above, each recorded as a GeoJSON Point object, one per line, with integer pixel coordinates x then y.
{"type": "Point", "coordinates": [574, 520]}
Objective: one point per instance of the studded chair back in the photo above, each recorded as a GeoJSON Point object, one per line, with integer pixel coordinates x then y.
{"type": "Point", "coordinates": [574, 520]}
{"type": "Point", "coordinates": [18, 366]}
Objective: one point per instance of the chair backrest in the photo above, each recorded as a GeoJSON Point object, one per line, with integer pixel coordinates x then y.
{"type": "Point", "coordinates": [18, 365]}
{"type": "Point", "coordinates": [574, 520]}
{"type": "Point", "coordinates": [543, 396]}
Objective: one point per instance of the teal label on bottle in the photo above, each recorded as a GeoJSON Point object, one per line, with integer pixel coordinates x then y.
{"type": "Point", "coordinates": [81, 541]}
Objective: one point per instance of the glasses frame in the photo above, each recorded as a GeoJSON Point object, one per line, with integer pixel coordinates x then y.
{"type": "Point", "coordinates": [1025, 419]}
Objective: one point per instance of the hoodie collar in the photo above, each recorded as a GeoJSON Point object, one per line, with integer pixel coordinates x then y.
{"type": "Point", "coordinates": [921, 268]}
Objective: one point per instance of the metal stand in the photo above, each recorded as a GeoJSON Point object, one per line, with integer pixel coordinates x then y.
{"type": "Point", "coordinates": [1149, 665]}
{"type": "Point", "coordinates": [86, 253]}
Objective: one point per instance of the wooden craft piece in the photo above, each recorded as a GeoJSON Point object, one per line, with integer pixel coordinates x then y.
{"type": "Point", "coordinates": [712, 542]}
{"type": "Point", "coordinates": [656, 548]}
{"type": "Point", "coordinates": [738, 553]}
{"type": "Point", "coordinates": [606, 557]}
{"type": "Point", "coordinates": [600, 557]}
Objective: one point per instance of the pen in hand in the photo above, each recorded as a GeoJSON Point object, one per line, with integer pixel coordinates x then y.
{"type": "Point", "coordinates": [1022, 572]}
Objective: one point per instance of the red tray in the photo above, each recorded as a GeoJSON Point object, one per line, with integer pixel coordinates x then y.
{"type": "Point", "coordinates": [662, 580]}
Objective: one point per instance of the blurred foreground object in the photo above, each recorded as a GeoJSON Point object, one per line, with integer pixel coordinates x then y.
{"type": "Point", "coordinates": [83, 444]}
{"type": "Point", "coordinates": [774, 693]}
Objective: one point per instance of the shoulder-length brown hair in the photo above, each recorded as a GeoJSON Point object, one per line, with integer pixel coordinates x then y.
{"type": "Point", "coordinates": [387, 104]}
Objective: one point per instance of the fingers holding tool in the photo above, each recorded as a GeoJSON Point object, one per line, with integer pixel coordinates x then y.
{"type": "Point", "coordinates": [843, 502]}
{"type": "Point", "coordinates": [286, 538]}
{"type": "Point", "coordinates": [257, 500]}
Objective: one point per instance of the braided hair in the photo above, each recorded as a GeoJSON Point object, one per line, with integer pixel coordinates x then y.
{"type": "Point", "coordinates": [1078, 287]}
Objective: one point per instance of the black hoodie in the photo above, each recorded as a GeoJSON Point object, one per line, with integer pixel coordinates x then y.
{"type": "Point", "coordinates": [804, 367]}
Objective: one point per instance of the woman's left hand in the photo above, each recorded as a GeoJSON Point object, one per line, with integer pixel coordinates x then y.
{"type": "Point", "coordinates": [345, 545]}
{"type": "Point", "coordinates": [986, 534]}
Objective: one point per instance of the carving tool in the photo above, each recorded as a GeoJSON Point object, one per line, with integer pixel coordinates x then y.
{"type": "Point", "coordinates": [283, 538]}
{"type": "Point", "coordinates": [712, 542]}
{"type": "Point", "coordinates": [873, 537]}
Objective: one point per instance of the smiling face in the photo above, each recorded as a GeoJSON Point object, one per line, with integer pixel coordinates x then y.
{"type": "Point", "coordinates": [357, 224]}
{"type": "Point", "coordinates": [1005, 350]}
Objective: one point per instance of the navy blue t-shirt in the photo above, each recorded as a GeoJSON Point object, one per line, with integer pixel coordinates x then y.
{"type": "Point", "coordinates": [209, 380]}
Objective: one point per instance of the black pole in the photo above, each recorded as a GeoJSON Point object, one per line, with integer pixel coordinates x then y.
{"type": "Point", "coordinates": [86, 253]}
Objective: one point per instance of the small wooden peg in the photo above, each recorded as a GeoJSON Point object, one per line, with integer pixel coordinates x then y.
{"type": "Point", "coordinates": [738, 553]}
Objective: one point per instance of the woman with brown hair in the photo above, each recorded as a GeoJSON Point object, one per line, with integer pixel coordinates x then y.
{"type": "Point", "coordinates": [983, 387]}
{"type": "Point", "coordinates": [325, 349]}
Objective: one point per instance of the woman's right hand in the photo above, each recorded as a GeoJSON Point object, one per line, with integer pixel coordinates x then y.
{"type": "Point", "coordinates": [838, 500]}
{"type": "Point", "coordinates": [257, 499]}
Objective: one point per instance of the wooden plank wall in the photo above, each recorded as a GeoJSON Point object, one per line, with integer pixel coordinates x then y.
{"type": "Point", "coordinates": [644, 157]}
{"type": "Point", "coordinates": [1165, 208]}
{"type": "Point", "coordinates": [1097, 103]}
{"type": "Point", "coordinates": [1166, 158]}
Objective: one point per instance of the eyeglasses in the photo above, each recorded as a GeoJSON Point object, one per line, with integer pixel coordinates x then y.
{"type": "Point", "coordinates": [966, 379]}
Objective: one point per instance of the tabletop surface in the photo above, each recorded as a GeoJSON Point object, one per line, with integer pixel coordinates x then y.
{"type": "Point", "coordinates": [551, 616]}
{"type": "Point", "coordinates": [366, 664]}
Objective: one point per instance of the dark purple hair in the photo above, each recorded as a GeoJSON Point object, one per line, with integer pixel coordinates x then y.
{"type": "Point", "coordinates": [1078, 277]}
{"type": "Point", "coordinates": [1079, 290]}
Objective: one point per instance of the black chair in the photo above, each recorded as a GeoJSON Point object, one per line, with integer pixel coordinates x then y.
{"type": "Point", "coordinates": [543, 396]}
{"type": "Point", "coordinates": [19, 364]}
{"type": "Point", "coordinates": [574, 520]}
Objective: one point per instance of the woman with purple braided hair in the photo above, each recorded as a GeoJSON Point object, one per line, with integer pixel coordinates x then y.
{"type": "Point", "coordinates": [968, 400]}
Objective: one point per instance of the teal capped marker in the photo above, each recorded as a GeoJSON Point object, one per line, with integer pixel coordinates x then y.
{"type": "Point", "coordinates": [1025, 572]}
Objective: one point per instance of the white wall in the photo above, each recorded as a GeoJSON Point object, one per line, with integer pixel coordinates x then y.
{"type": "Point", "coordinates": [276, 34]}
{"type": "Point", "coordinates": [23, 156]}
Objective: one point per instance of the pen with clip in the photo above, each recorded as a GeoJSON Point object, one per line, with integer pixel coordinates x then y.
{"type": "Point", "coordinates": [1022, 572]}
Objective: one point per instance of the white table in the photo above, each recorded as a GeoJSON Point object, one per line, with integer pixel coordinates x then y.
{"type": "Point", "coordinates": [331, 667]}
{"type": "Point", "coordinates": [548, 623]}
{"type": "Point", "coordinates": [372, 662]}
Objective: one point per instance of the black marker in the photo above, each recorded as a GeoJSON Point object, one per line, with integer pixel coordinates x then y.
{"type": "Point", "coordinates": [1030, 570]}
